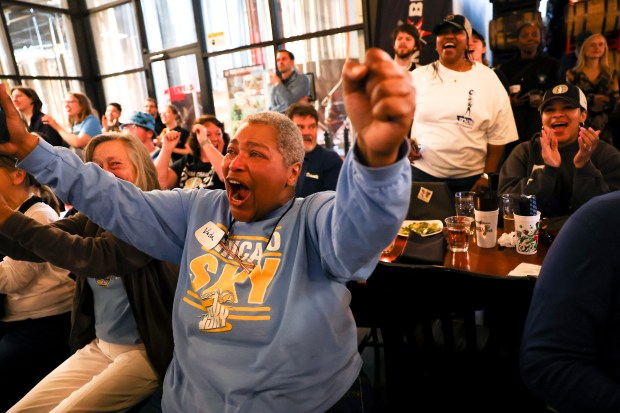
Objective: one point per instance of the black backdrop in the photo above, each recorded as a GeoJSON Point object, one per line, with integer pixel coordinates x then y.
{"type": "Point", "coordinates": [423, 13]}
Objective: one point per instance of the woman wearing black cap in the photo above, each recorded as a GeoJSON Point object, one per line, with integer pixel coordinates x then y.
{"type": "Point", "coordinates": [463, 117]}
{"type": "Point", "coordinates": [565, 165]}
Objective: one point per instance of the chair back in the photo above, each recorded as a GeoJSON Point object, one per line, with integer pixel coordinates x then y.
{"type": "Point", "coordinates": [430, 200]}
{"type": "Point", "coordinates": [451, 339]}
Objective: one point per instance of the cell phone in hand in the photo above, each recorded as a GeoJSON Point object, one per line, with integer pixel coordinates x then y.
{"type": "Point", "coordinates": [4, 130]}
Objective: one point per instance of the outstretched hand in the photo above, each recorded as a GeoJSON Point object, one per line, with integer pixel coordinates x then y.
{"type": "Point", "coordinates": [379, 99]}
{"type": "Point", "coordinates": [588, 140]}
{"type": "Point", "coordinates": [22, 142]}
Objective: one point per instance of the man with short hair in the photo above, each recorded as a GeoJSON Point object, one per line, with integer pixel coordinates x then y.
{"type": "Point", "coordinates": [150, 107]}
{"type": "Point", "coordinates": [321, 166]}
{"type": "Point", "coordinates": [407, 46]}
{"type": "Point", "coordinates": [261, 317]}
{"type": "Point", "coordinates": [111, 120]}
{"type": "Point", "coordinates": [142, 125]}
{"type": "Point", "coordinates": [288, 86]}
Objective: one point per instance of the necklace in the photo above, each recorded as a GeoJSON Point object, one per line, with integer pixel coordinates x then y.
{"type": "Point", "coordinates": [248, 267]}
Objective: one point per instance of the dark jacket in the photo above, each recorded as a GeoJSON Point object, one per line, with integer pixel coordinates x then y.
{"type": "Point", "coordinates": [560, 191]}
{"type": "Point", "coordinates": [85, 249]}
{"type": "Point", "coordinates": [319, 172]}
{"type": "Point", "coordinates": [46, 131]}
{"type": "Point", "coordinates": [539, 73]}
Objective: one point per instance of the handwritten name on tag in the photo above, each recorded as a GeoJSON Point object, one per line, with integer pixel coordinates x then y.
{"type": "Point", "coordinates": [209, 235]}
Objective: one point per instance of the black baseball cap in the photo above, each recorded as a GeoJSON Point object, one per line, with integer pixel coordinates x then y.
{"type": "Point", "coordinates": [568, 93]}
{"type": "Point", "coordinates": [457, 20]}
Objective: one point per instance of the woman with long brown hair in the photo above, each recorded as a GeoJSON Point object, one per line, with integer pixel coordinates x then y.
{"type": "Point", "coordinates": [82, 120]}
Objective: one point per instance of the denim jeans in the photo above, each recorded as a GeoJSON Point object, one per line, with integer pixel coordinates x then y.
{"type": "Point", "coordinates": [358, 399]}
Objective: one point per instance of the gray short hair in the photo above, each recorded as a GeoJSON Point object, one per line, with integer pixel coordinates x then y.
{"type": "Point", "coordinates": [290, 142]}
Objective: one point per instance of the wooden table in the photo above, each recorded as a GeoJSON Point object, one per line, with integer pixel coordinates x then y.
{"type": "Point", "coordinates": [404, 302]}
{"type": "Point", "coordinates": [497, 261]}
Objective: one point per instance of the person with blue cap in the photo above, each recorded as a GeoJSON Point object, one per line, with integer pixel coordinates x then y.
{"type": "Point", "coordinates": [142, 125]}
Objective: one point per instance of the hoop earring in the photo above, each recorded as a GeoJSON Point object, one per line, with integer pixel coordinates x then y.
{"type": "Point", "coordinates": [582, 125]}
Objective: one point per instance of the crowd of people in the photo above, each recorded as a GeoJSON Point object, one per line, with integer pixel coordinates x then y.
{"type": "Point", "coordinates": [179, 278]}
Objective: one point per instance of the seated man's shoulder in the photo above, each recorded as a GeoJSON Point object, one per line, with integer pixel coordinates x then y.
{"type": "Point", "coordinates": [328, 154]}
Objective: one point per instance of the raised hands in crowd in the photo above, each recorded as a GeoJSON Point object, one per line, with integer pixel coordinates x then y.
{"type": "Point", "coordinates": [588, 140]}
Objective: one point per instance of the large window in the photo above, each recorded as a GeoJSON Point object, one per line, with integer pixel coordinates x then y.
{"type": "Point", "coordinates": [131, 49]}
{"type": "Point", "coordinates": [53, 3]}
{"type": "Point", "coordinates": [169, 23]}
{"type": "Point", "coordinates": [235, 23]}
{"type": "Point", "coordinates": [308, 16]}
{"type": "Point", "coordinates": [129, 90]}
{"type": "Point", "coordinates": [91, 4]}
{"type": "Point", "coordinates": [6, 59]}
{"type": "Point", "coordinates": [116, 39]}
{"type": "Point", "coordinates": [176, 82]}
{"type": "Point", "coordinates": [42, 40]}
{"type": "Point", "coordinates": [44, 50]}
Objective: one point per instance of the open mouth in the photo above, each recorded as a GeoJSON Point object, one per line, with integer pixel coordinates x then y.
{"type": "Point", "coordinates": [559, 126]}
{"type": "Point", "coordinates": [238, 192]}
{"type": "Point", "coordinates": [449, 45]}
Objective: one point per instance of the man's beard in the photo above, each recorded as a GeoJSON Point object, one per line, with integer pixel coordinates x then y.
{"type": "Point", "coordinates": [404, 55]}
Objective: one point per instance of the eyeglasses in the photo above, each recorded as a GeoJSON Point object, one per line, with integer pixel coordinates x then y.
{"type": "Point", "coordinates": [247, 266]}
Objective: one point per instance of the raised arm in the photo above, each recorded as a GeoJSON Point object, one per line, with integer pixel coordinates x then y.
{"type": "Point", "coordinates": [155, 222]}
{"type": "Point", "coordinates": [380, 103]}
{"type": "Point", "coordinates": [372, 195]}
{"type": "Point", "coordinates": [79, 141]}
{"type": "Point", "coordinates": [166, 175]}
{"type": "Point", "coordinates": [215, 156]}
{"type": "Point", "coordinates": [100, 254]}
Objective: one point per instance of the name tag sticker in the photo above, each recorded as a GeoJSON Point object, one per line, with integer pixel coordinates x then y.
{"type": "Point", "coordinates": [425, 194]}
{"type": "Point", "coordinates": [209, 235]}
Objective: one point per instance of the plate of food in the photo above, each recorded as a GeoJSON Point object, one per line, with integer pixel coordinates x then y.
{"type": "Point", "coordinates": [422, 228]}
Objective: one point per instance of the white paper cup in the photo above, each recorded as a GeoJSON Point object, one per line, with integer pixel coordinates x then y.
{"type": "Point", "coordinates": [526, 227]}
{"type": "Point", "coordinates": [486, 228]}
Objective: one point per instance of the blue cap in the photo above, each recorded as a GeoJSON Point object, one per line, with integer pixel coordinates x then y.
{"type": "Point", "coordinates": [142, 119]}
